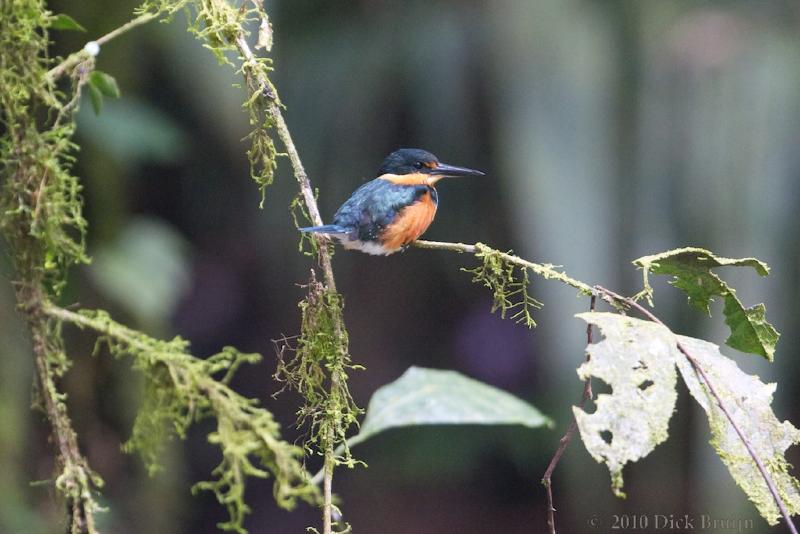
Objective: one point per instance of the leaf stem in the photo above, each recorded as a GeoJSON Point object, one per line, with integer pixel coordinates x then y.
{"type": "Point", "coordinates": [607, 294]}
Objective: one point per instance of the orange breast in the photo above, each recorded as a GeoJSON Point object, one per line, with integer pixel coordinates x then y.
{"type": "Point", "coordinates": [410, 223]}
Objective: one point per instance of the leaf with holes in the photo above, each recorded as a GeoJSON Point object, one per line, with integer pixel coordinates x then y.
{"type": "Point", "coordinates": [691, 269]}
{"type": "Point", "coordinates": [435, 397]}
{"type": "Point", "coordinates": [748, 400]}
{"type": "Point", "coordinates": [637, 361]}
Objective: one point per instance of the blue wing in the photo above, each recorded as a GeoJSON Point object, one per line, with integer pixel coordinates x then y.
{"type": "Point", "coordinates": [373, 206]}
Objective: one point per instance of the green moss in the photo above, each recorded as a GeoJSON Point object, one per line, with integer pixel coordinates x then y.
{"type": "Point", "coordinates": [218, 24]}
{"type": "Point", "coordinates": [42, 223]}
{"type": "Point", "coordinates": [40, 203]}
{"type": "Point", "coordinates": [181, 390]}
{"type": "Point", "coordinates": [317, 367]}
{"type": "Point", "coordinates": [508, 283]}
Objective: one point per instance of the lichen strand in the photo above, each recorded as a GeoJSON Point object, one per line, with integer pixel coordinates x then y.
{"type": "Point", "coordinates": [182, 389]}
{"type": "Point", "coordinates": [509, 286]}
{"type": "Point", "coordinates": [218, 24]}
{"type": "Point", "coordinates": [317, 367]}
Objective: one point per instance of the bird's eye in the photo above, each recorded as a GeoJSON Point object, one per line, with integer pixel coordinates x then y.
{"type": "Point", "coordinates": [419, 165]}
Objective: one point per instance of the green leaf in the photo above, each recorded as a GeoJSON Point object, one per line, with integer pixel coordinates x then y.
{"type": "Point", "coordinates": [636, 351]}
{"type": "Point", "coordinates": [749, 401]}
{"type": "Point", "coordinates": [691, 269]}
{"type": "Point", "coordinates": [435, 397]}
{"type": "Point", "coordinates": [105, 83]}
{"type": "Point", "coordinates": [637, 362]}
{"type": "Point", "coordinates": [96, 98]}
{"type": "Point", "coordinates": [65, 22]}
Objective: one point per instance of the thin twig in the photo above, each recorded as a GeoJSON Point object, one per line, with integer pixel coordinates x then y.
{"type": "Point", "coordinates": [704, 378]}
{"type": "Point", "coordinates": [324, 256]}
{"type": "Point", "coordinates": [76, 57]}
{"type": "Point", "coordinates": [564, 441]}
{"type": "Point", "coordinates": [542, 269]}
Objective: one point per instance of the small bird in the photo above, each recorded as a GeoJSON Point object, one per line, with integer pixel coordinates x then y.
{"type": "Point", "coordinates": [388, 213]}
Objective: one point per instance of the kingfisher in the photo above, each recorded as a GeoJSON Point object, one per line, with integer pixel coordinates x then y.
{"type": "Point", "coordinates": [390, 212]}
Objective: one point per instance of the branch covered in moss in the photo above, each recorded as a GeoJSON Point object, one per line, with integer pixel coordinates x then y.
{"type": "Point", "coordinates": [42, 224]}
{"type": "Point", "coordinates": [183, 389]}
{"type": "Point", "coordinates": [335, 411]}
{"type": "Point", "coordinates": [311, 364]}
{"type": "Point", "coordinates": [506, 275]}
{"type": "Point", "coordinates": [221, 24]}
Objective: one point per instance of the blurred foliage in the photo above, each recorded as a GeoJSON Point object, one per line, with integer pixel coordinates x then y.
{"type": "Point", "coordinates": [145, 270]}
{"type": "Point", "coordinates": [132, 132]}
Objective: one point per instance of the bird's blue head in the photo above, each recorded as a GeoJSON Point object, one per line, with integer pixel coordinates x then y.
{"type": "Point", "coordinates": [417, 161]}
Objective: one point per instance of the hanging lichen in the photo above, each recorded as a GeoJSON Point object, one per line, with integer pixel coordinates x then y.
{"type": "Point", "coordinates": [317, 368]}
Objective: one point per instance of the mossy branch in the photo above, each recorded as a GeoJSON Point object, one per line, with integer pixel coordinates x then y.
{"type": "Point", "coordinates": [545, 270]}
{"type": "Point", "coordinates": [43, 226]}
{"type": "Point", "coordinates": [183, 389]}
{"type": "Point", "coordinates": [75, 479]}
{"type": "Point", "coordinates": [506, 275]}
{"type": "Point", "coordinates": [337, 419]}
{"type": "Point", "coordinates": [221, 26]}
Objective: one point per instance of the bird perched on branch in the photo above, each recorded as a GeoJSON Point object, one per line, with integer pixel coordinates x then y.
{"type": "Point", "coordinates": [388, 213]}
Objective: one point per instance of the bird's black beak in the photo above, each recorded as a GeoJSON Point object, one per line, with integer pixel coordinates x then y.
{"type": "Point", "coordinates": [446, 171]}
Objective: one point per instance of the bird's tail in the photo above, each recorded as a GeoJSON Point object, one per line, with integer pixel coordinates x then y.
{"type": "Point", "coordinates": [326, 229]}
